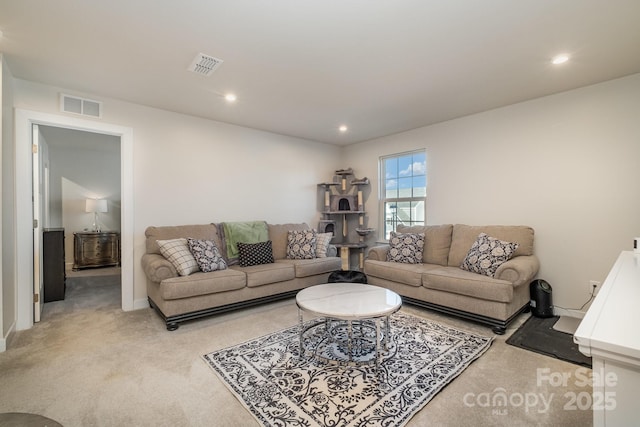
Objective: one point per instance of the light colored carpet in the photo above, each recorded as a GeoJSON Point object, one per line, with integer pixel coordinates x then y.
{"type": "Point", "coordinates": [90, 364]}
{"type": "Point", "coordinates": [92, 272]}
{"type": "Point", "coordinates": [17, 419]}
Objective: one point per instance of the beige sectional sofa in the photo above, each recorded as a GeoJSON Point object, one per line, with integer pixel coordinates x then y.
{"type": "Point", "coordinates": [439, 283]}
{"type": "Point", "coordinates": [180, 298]}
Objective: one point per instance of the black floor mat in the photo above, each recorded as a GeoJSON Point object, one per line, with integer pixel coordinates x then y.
{"type": "Point", "coordinates": [537, 334]}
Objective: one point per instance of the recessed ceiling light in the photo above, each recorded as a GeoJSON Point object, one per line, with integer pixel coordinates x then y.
{"type": "Point", "coordinates": [230, 97]}
{"type": "Point", "coordinates": [343, 128]}
{"type": "Point", "coordinates": [560, 59]}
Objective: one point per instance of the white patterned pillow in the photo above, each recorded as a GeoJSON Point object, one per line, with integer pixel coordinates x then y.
{"type": "Point", "coordinates": [207, 255]}
{"type": "Point", "coordinates": [406, 248]}
{"type": "Point", "coordinates": [487, 254]}
{"type": "Point", "coordinates": [178, 253]}
{"type": "Point", "coordinates": [322, 244]}
{"type": "Point", "coordinates": [255, 253]}
{"type": "Point", "coordinates": [301, 244]}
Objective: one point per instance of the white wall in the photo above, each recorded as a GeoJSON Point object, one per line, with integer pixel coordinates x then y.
{"type": "Point", "coordinates": [566, 164]}
{"type": "Point", "coordinates": [7, 234]}
{"type": "Point", "coordinates": [191, 170]}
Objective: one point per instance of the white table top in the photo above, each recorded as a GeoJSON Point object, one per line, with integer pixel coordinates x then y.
{"type": "Point", "coordinates": [348, 301]}
{"type": "Point", "coordinates": [610, 327]}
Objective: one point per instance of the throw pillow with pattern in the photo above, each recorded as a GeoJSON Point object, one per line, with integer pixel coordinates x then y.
{"type": "Point", "coordinates": [301, 244]}
{"type": "Point", "coordinates": [406, 248]}
{"type": "Point", "coordinates": [255, 253]}
{"type": "Point", "coordinates": [322, 244]}
{"type": "Point", "coordinates": [178, 253]}
{"type": "Point", "coordinates": [487, 254]}
{"type": "Point", "coordinates": [207, 255]}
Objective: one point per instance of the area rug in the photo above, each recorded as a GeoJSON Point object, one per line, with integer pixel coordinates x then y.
{"type": "Point", "coordinates": [280, 388]}
{"type": "Point", "coordinates": [537, 334]}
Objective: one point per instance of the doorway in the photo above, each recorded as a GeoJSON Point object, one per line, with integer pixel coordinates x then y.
{"type": "Point", "coordinates": [25, 120]}
{"type": "Point", "coordinates": [80, 166]}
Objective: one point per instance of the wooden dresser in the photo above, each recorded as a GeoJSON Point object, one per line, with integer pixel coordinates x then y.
{"type": "Point", "coordinates": [96, 249]}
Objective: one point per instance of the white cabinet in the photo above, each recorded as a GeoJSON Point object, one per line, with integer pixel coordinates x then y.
{"type": "Point", "coordinates": [609, 334]}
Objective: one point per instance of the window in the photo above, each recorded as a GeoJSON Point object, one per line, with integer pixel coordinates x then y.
{"type": "Point", "coordinates": [403, 183]}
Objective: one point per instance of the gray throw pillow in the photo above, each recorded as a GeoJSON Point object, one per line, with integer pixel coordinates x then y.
{"type": "Point", "coordinates": [207, 255]}
{"type": "Point", "coordinates": [406, 248]}
{"type": "Point", "coordinates": [487, 254]}
{"type": "Point", "coordinates": [301, 244]}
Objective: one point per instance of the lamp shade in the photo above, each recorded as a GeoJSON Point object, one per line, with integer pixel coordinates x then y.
{"type": "Point", "coordinates": [96, 205]}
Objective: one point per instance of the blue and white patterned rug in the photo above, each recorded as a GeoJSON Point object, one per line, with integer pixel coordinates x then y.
{"type": "Point", "coordinates": [281, 389]}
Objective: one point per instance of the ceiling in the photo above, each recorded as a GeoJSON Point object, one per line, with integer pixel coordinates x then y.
{"type": "Point", "coordinates": [303, 68]}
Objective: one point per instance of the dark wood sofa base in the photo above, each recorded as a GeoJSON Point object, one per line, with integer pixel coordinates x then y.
{"type": "Point", "coordinates": [498, 327]}
{"type": "Point", "coordinates": [173, 322]}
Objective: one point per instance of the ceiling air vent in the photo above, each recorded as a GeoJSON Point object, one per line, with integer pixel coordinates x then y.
{"type": "Point", "coordinates": [205, 64]}
{"type": "Point", "coordinates": [82, 106]}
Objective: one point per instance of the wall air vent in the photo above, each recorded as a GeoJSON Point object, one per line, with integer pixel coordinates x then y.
{"type": "Point", "coordinates": [82, 106]}
{"type": "Point", "coordinates": [205, 64]}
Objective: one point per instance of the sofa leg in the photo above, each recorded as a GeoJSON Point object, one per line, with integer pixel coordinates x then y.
{"type": "Point", "coordinates": [499, 330]}
{"type": "Point", "coordinates": [172, 326]}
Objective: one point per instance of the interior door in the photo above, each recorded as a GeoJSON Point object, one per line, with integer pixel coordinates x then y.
{"type": "Point", "coordinates": [38, 282]}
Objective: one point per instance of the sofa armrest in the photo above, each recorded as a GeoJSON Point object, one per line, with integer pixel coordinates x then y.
{"type": "Point", "coordinates": [157, 268]}
{"type": "Point", "coordinates": [332, 251]}
{"type": "Point", "coordinates": [378, 253]}
{"type": "Point", "coordinates": [518, 270]}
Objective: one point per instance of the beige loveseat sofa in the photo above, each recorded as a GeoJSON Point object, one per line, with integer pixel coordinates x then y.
{"type": "Point", "coordinates": [439, 283]}
{"type": "Point", "coordinates": [180, 298]}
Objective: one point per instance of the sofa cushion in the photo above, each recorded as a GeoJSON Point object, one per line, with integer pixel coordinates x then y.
{"type": "Point", "coordinates": [255, 253]}
{"type": "Point", "coordinates": [265, 274]}
{"type": "Point", "coordinates": [200, 231]}
{"type": "Point", "coordinates": [206, 254]}
{"type": "Point", "coordinates": [322, 244]}
{"type": "Point", "coordinates": [405, 247]}
{"type": "Point", "coordinates": [408, 274]}
{"type": "Point", "coordinates": [455, 280]}
{"type": "Point", "coordinates": [312, 267]}
{"type": "Point", "coordinates": [178, 253]}
{"type": "Point", "coordinates": [278, 235]}
{"type": "Point", "coordinates": [301, 244]}
{"type": "Point", "coordinates": [487, 254]}
{"type": "Point", "coordinates": [464, 235]}
{"type": "Point", "coordinates": [437, 241]}
{"type": "Point", "coordinates": [201, 284]}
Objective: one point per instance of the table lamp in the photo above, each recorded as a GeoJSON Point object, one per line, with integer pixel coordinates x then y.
{"type": "Point", "coordinates": [95, 206]}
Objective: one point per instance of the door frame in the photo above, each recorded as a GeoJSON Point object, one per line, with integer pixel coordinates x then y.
{"type": "Point", "coordinates": [36, 191]}
{"type": "Point", "coordinates": [24, 119]}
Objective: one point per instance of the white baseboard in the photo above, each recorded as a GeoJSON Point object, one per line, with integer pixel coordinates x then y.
{"type": "Point", "coordinates": [139, 304]}
{"type": "Point", "coordinates": [4, 341]}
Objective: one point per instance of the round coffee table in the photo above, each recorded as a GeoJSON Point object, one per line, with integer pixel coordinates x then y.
{"type": "Point", "coordinates": [367, 305]}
